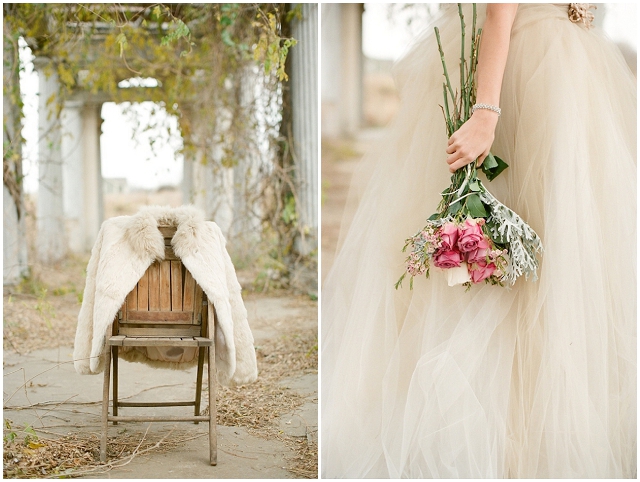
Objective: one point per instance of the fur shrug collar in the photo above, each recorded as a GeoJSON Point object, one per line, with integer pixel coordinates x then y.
{"type": "Point", "coordinates": [126, 246]}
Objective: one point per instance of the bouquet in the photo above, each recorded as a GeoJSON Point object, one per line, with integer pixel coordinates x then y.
{"type": "Point", "coordinates": [473, 237]}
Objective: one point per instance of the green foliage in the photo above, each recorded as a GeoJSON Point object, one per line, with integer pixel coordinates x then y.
{"type": "Point", "coordinates": [200, 55]}
{"type": "Point", "coordinates": [289, 213]}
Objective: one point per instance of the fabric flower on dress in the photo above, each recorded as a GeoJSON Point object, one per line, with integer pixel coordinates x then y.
{"type": "Point", "coordinates": [580, 13]}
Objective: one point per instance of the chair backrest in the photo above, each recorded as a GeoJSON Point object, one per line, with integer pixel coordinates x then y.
{"type": "Point", "coordinates": [166, 301]}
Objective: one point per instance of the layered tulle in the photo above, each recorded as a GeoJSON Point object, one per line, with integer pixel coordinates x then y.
{"type": "Point", "coordinates": [533, 381]}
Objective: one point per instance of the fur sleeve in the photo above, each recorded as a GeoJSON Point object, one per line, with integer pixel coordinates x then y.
{"type": "Point", "coordinates": [84, 331]}
{"type": "Point", "coordinates": [246, 365]}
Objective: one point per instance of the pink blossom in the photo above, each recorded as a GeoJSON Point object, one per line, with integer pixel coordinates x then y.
{"type": "Point", "coordinates": [449, 235]}
{"type": "Point", "coordinates": [481, 271]}
{"type": "Point", "coordinates": [447, 259]}
{"type": "Point", "coordinates": [483, 249]}
{"type": "Point", "coordinates": [470, 234]}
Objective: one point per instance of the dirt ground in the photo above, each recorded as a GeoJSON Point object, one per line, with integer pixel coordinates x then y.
{"type": "Point", "coordinates": [51, 415]}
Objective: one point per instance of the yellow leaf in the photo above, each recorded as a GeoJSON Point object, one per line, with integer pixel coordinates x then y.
{"type": "Point", "coordinates": [35, 445]}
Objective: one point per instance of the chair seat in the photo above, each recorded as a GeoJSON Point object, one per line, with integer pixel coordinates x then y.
{"type": "Point", "coordinates": [123, 340]}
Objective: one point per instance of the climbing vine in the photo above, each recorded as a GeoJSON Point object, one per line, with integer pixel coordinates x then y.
{"type": "Point", "coordinates": [221, 69]}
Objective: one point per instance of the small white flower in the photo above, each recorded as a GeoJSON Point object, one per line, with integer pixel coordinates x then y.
{"type": "Point", "coordinates": [457, 276]}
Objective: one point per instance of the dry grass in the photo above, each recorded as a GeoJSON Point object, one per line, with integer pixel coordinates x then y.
{"type": "Point", "coordinates": [78, 454]}
{"type": "Point", "coordinates": [256, 407]}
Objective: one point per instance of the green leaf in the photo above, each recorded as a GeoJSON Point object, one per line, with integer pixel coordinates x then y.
{"type": "Point", "coordinates": [121, 39]}
{"type": "Point", "coordinates": [493, 166]}
{"type": "Point", "coordinates": [454, 208]}
{"type": "Point", "coordinates": [475, 207]}
{"type": "Point", "coordinates": [226, 38]}
{"type": "Point", "coordinates": [474, 186]}
{"type": "Point", "coordinates": [433, 217]}
{"type": "Point", "coordinates": [490, 162]}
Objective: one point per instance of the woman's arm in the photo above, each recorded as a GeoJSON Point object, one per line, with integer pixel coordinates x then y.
{"type": "Point", "coordinates": [474, 138]}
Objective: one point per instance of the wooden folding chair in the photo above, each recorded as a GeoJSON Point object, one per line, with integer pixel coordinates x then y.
{"type": "Point", "coordinates": [166, 308]}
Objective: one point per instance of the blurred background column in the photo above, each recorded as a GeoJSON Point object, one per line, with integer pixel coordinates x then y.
{"type": "Point", "coordinates": [304, 100]}
{"type": "Point", "coordinates": [51, 242]}
{"type": "Point", "coordinates": [342, 69]}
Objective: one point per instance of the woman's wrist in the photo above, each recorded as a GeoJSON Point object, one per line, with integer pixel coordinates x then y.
{"type": "Point", "coordinates": [485, 116]}
{"type": "Point", "coordinates": [485, 106]}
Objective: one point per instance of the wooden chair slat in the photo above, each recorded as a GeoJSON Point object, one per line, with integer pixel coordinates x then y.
{"type": "Point", "coordinates": [197, 305]}
{"type": "Point", "coordinates": [167, 330]}
{"type": "Point", "coordinates": [165, 286]}
{"type": "Point", "coordinates": [169, 255]}
{"type": "Point", "coordinates": [165, 341]}
{"type": "Point", "coordinates": [176, 286]}
{"type": "Point", "coordinates": [159, 316]}
{"type": "Point", "coordinates": [154, 286]}
{"type": "Point", "coordinates": [189, 291]}
{"type": "Point", "coordinates": [143, 292]}
{"type": "Point", "coordinates": [132, 298]}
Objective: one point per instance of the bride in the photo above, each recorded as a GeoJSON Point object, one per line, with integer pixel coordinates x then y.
{"type": "Point", "coordinates": [536, 381]}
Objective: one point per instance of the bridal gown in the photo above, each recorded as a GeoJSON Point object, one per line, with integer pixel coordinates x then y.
{"type": "Point", "coordinates": [534, 381]}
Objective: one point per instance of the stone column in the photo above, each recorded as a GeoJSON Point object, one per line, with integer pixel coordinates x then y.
{"type": "Point", "coordinates": [14, 237]}
{"type": "Point", "coordinates": [304, 101]}
{"type": "Point", "coordinates": [331, 68]}
{"type": "Point", "coordinates": [351, 92]}
{"type": "Point", "coordinates": [342, 66]}
{"type": "Point", "coordinates": [73, 175]}
{"type": "Point", "coordinates": [213, 177]}
{"type": "Point", "coordinates": [92, 166]}
{"type": "Point", "coordinates": [247, 208]}
{"type": "Point", "coordinates": [82, 177]}
{"type": "Point", "coordinates": [50, 243]}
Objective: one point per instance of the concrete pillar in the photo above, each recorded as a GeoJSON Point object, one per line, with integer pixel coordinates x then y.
{"type": "Point", "coordinates": [212, 174]}
{"type": "Point", "coordinates": [342, 68]}
{"type": "Point", "coordinates": [82, 176]}
{"type": "Point", "coordinates": [14, 237]}
{"type": "Point", "coordinates": [50, 242]}
{"type": "Point", "coordinates": [247, 170]}
{"type": "Point", "coordinates": [188, 194]}
{"type": "Point", "coordinates": [73, 175]}
{"type": "Point", "coordinates": [331, 68]}
{"type": "Point", "coordinates": [352, 65]}
{"type": "Point", "coordinates": [304, 101]}
{"type": "Point", "coordinates": [92, 166]}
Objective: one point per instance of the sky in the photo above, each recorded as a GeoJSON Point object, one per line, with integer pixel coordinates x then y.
{"type": "Point", "coordinates": [122, 156]}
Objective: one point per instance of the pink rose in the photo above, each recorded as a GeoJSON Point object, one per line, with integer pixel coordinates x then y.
{"type": "Point", "coordinates": [446, 259]}
{"type": "Point", "coordinates": [449, 236]}
{"type": "Point", "coordinates": [470, 234]}
{"type": "Point", "coordinates": [481, 271]}
{"type": "Point", "coordinates": [483, 249]}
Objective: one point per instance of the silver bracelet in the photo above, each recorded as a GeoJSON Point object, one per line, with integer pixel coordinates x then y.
{"type": "Point", "coordinates": [486, 106]}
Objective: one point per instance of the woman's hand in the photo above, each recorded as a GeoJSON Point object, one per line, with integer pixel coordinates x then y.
{"type": "Point", "coordinates": [473, 140]}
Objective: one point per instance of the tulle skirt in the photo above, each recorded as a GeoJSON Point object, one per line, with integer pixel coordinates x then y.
{"type": "Point", "coordinates": [534, 381]}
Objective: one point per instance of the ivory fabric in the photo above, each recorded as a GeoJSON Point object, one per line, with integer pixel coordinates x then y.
{"type": "Point", "coordinates": [126, 246]}
{"type": "Point", "coordinates": [536, 381]}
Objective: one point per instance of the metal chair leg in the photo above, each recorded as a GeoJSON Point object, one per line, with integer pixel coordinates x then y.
{"type": "Point", "coordinates": [201, 355]}
{"type": "Point", "coordinates": [213, 436]}
{"type": "Point", "coordinates": [115, 383]}
{"type": "Point", "coordinates": [105, 405]}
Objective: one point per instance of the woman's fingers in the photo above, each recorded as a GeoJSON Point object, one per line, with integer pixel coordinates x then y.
{"type": "Point", "coordinates": [458, 164]}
